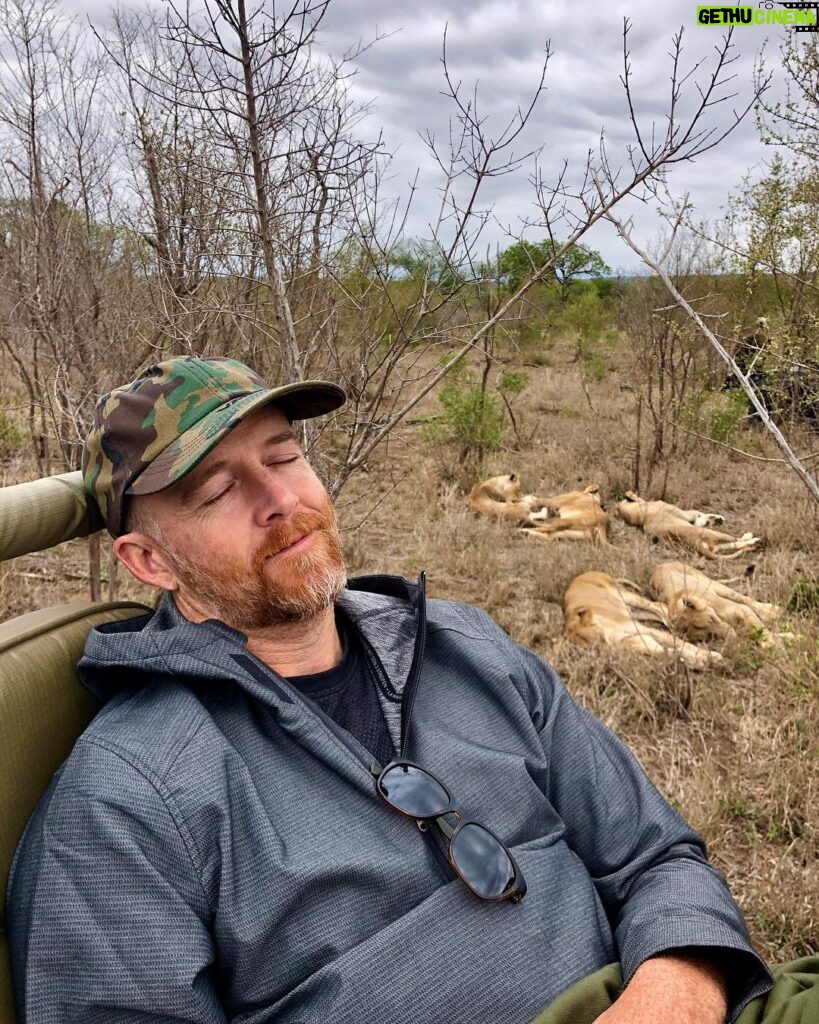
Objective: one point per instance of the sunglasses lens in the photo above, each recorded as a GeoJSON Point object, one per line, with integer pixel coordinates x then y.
{"type": "Point", "coordinates": [482, 861]}
{"type": "Point", "coordinates": [414, 792]}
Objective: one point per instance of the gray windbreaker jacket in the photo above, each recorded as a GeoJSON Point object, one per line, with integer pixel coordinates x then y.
{"type": "Point", "coordinates": [213, 849]}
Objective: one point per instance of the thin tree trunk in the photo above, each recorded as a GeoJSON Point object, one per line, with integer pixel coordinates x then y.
{"type": "Point", "coordinates": [290, 356]}
{"type": "Point", "coordinates": [113, 576]}
{"type": "Point", "coordinates": [94, 574]}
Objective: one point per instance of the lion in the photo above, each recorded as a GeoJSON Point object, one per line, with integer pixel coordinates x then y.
{"type": "Point", "coordinates": [601, 610]}
{"type": "Point", "coordinates": [501, 498]}
{"type": "Point", "coordinates": [688, 527]}
{"type": "Point", "coordinates": [579, 516]}
{"type": "Point", "coordinates": [699, 606]}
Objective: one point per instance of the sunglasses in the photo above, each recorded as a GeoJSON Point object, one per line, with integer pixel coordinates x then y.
{"type": "Point", "coordinates": [476, 855]}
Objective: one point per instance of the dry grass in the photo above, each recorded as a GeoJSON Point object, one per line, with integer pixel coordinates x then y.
{"type": "Point", "coordinates": [734, 749]}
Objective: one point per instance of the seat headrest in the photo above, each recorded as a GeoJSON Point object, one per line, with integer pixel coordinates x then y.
{"type": "Point", "coordinates": [42, 513]}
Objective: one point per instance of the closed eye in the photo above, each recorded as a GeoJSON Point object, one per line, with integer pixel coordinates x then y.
{"type": "Point", "coordinates": [216, 497]}
{"type": "Point", "coordinates": [283, 459]}
{"type": "Point", "coordinates": [286, 457]}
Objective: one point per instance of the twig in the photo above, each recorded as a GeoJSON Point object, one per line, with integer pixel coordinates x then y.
{"type": "Point", "coordinates": [586, 392]}
{"type": "Point", "coordinates": [512, 418]}
{"type": "Point", "coordinates": [637, 689]}
{"type": "Point", "coordinates": [372, 508]}
{"type": "Point", "coordinates": [738, 451]}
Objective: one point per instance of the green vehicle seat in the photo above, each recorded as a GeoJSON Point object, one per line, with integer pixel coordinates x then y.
{"type": "Point", "coordinates": [43, 707]}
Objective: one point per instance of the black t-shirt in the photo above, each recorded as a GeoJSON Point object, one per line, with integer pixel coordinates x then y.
{"type": "Point", "coordinates": [347, 694]}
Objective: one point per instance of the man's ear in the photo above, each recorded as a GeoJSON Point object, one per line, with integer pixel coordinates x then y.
{"type": "Point", "coordinates": [144, 559]}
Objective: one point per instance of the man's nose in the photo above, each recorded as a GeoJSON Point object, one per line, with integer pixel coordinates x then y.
{"type": "Point", "coordinates": [273, 496]}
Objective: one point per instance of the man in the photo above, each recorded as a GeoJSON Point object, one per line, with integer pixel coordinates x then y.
{"type": "Point", "coordinates": [229, 841]}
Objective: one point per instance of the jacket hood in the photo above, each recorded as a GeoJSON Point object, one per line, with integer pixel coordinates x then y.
{"type": "Point", "coordinates": [127, 655]}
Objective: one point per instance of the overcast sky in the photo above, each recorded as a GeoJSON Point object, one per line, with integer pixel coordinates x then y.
{"type": "Point", "coordinates": [500, 45]}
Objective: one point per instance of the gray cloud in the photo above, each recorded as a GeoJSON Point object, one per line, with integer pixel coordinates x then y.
{"type": "Point", "coordinates": [499, 44]}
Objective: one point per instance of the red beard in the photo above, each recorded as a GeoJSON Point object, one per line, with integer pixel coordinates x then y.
{"type": "Point", "coordinates": [269, 591]}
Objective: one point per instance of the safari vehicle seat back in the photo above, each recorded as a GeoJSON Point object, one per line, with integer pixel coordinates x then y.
{"type": "Point", "coordinates": [43, 707]}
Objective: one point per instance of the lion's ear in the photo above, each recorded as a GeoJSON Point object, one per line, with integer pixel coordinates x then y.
{"type": "Point", "coordinates": [592, 488]}
{"type": "Point", "coordinates": [585, 615]}
{"type": "Point", "coordinates": [631, 496]}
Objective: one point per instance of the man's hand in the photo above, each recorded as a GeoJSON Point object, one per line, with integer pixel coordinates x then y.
{"type": "Point", "coordinates": [675, 988]}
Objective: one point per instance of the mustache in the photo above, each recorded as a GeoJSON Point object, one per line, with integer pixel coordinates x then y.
{"type": "Point", "coordinates": [296, 526]}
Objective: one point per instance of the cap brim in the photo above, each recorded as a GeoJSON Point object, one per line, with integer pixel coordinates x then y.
{"type": "Point", "coordinates": [300, 401]}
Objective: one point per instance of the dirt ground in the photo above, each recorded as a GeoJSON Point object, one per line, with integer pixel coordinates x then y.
{"type": "Point", "coordinates": [735, 749]}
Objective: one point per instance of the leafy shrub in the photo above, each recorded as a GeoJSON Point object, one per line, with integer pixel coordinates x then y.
{"type": "Point", "coordinates": [11, 439]}
{"type": "Point", "coordinates": [512, 382]}
{"type": "Point", "coordinates": [727, 416]}
{"type": "Point", "coordinates": [473, 416]}
{"type": "Point", "coordinates": [805, 596]}
{"type": "Point", "coordinates": [595, 366]}
{"type": "Point", "coordinates": [586, 315]}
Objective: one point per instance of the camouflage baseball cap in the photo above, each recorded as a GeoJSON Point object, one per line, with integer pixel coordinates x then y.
{"type": "Point", "coordinates": [148, 434]}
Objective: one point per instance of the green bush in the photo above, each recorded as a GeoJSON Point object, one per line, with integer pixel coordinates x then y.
{"type": "Point", "coordinates": [474, 415]}
{"type": "Point", "coordinates": [805, 596]}
{"type": "Point", "coordinates": [727, 416]}
{"type": "Point", "coordinates": [595, 366]}
{"type": "Point", "coordinates": [512, 381]}
{"type": "Point", "coordinates": [586, 315]}
{"type": "Point", "coordinates": [471, 415]}
{"type": "Point", "coordinates": [11, 439]}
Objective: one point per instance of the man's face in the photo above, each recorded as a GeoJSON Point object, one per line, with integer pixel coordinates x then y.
{"type": "Point", "coordinates": [250, 535]}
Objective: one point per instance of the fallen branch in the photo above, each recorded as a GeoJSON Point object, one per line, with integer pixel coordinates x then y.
{"type": "Point", "coordinates": [744, 382]}
{"type": "Point", "coordinates": [59, 577]}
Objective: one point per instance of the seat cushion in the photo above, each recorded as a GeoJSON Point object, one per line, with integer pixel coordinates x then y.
{"type": "Point", "coordinates": [43, 709]}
